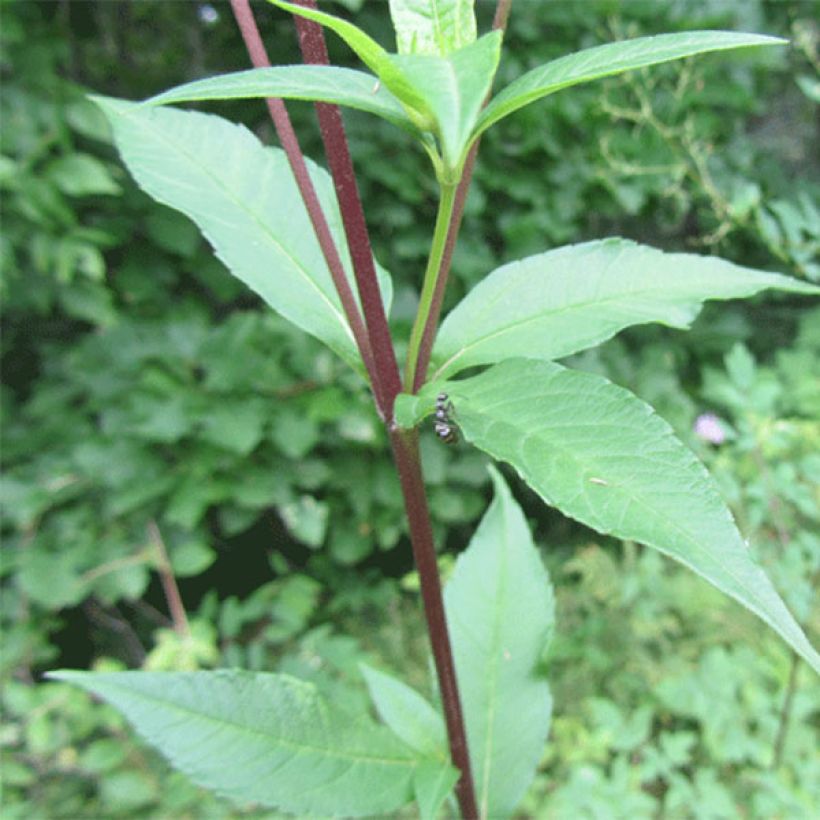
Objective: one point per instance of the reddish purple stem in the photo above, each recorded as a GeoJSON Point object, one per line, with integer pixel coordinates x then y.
{"type": "Point", "coordinates": [290, 144]}
{"type": "Point", "coordinates": [388, 385]}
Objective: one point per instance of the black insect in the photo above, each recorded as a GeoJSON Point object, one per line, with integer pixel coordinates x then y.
{"type": "Point", "coordinates": [444, 426]}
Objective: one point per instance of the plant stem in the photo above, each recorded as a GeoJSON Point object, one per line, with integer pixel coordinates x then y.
{"type": "Point", "coordinates": [404, 443]}
{"type": "Point", "coordinates": [785, 712]}
{"type": "Point", "coordinates": [415, 369]}
{"type": "Point", "coordinates": [290, 143]}
{"type": "Point", "coordinates": [169, 583]}
{"type": "Point", "coordinates": [388, 383]}
{"type": "Point", "coordinates": [408, 464]}
{"type": "Point", "coordinates": [428, 334]}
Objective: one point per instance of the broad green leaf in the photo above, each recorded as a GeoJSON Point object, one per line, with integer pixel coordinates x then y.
{"type": "Point", "coordinates": [433, 26]}
{"type": "Point", "coordinates": [378, 60]}
{"type": "Point", "coordinates": [557, 303]}
{"type": "Point", "coordinates": [432, 785]}
{"type": "Point", "coordinates": [407, 713]}
{"type": "Point", "coordinates": [500, 611]}
{"type": "Point", "coordinates": [330, 84]}
{"type": "Point", "coordinates": [262, 738]}
{"type": "Point", "coordinates": [602, 456]}
{"type": "Point", "coordinates": [244, 199]}
{"type": "Point", "coordinates": [455, 88]}
{"type": "Point", "coordinates": [612, 58]}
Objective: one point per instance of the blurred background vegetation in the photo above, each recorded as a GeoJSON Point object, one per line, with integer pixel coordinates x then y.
{"type": "Point", "coordinates": [189, 482]}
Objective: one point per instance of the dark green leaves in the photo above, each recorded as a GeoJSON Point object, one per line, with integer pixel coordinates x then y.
{"type": "Point", "coordinates": [268, 739]}
{"type": "Point", "coordinates": [500, 610]}
{"type": "Point", "coordinates": [603, 457]}
{"type": "Point", "coordinates": [612, 58]}
{"type": "Point", "coordinates": [245, 201]}
{"type": "Point", "coordinates": [566, 300]}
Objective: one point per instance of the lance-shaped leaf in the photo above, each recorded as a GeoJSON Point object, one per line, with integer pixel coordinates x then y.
{"type": "Point", "coordinates": [500, 611]}
{"type": "Point", "coordinates": [421, 727]}
{"type": "Point", "coordinates": [455, 88]}
{"type": "Point", "coordinates": [442, 95]}
{"type": "Point", "coordinates": [407, 713]}
{"type": "Point", "coordinates": [433, 784]}
{"type": "Point", "coordinates": [612, 58]}
{"type": "Point", "coordinates": [262, 738]}
{"type": "Point", "coordinates": [378, 60]}
{"type": "Point", "coordinates": [321, 83]}
{"type": "Point", "coordinates": [245, 201]}
{"type": "Point", "coordinates": [602, 456]}
{"type": "Point", "coordinates": [433, 26]}
{"type": "Point", "coordinates": [557, 303]}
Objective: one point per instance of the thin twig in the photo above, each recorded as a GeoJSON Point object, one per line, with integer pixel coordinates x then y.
{"type": "Point", "coordinates": [169, 582]}
{"type": "Point", "coordinates": [388, 382]}
{"type": "Point", "coordinates": [287, 137]}
{"type": "Point", "coordinates": [785, 713]}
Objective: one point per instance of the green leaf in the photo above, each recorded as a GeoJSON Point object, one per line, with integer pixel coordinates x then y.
{"type": "Point", "coordinates": [441, 95]}
{"type": "Point", "coordinates": [557, 303]}
{"type": "Point", "coordinates": [236, 424]}
{"type": "Point", "coordinates": [82, 175]}
{"type": "Point", "coordinates": [407, 713]}
{"type": "Point", "coordinates": [330, 84]}
{"type": "Point", "coordinates": [306, 518]}
{"type": "Point", "coordinates": [268, 739]}
{"type": "Point", "coordinates": [603, 457]}
{"type": "Point", "coordinates": [432, 786]}
{"type": "Point", "coordinates": [245, 201]}
{"type": "Point", "coordinates": [433, 26]}
{"type": "Point", "coordinates": [500, 610]}
{"type": "Point", "coordinates": [379, 61]}
{"type": "Point", "coordinates": [612, 58]}
{"type": "Point", "coordinates": [455, 88]}
{"type": "Point", "coordinates": [191, 558]}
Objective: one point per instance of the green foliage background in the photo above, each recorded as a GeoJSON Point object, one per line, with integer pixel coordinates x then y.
{"type": "Point", "coordinates": [152, 407]}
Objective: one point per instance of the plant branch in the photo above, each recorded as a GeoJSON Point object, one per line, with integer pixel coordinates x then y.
{"type": "Point", "coordinates": [415, 368]}
{"type": "Point", "coordinates": [287, 137]}
{"type": "Point", "coordinates": [388, 383]}
{"type": "Point", "coordinates": [785, 712]}
{"type": "Point", "coordinates": [406, 454]}
{"type": "Point", "coordinates": [169, 583]}
{"type": "Point", "coordinates": [428, 334]}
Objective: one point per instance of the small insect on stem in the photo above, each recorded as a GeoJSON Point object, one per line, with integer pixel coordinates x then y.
{"type": "Point", "coordinates": [444, 426]}
{"type": "Point", "coordinates": [376, 87]}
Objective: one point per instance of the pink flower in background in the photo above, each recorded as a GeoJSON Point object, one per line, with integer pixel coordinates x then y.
{"type": "Point", "coordinates": [708, 427]}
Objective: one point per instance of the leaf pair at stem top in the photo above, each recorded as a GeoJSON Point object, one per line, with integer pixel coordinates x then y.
{"type": "Point", "coordinates": [437, 91]}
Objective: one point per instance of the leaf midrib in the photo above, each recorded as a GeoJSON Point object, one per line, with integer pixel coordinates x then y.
{"type": "Point", "coordinates": [494, 674]}
{"type": "Point", "coordinates": [297, 748]}
{"type": "Point", "coordinates": [637, 291]}
{"type": "Point", "coordinates": [762, 610]}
